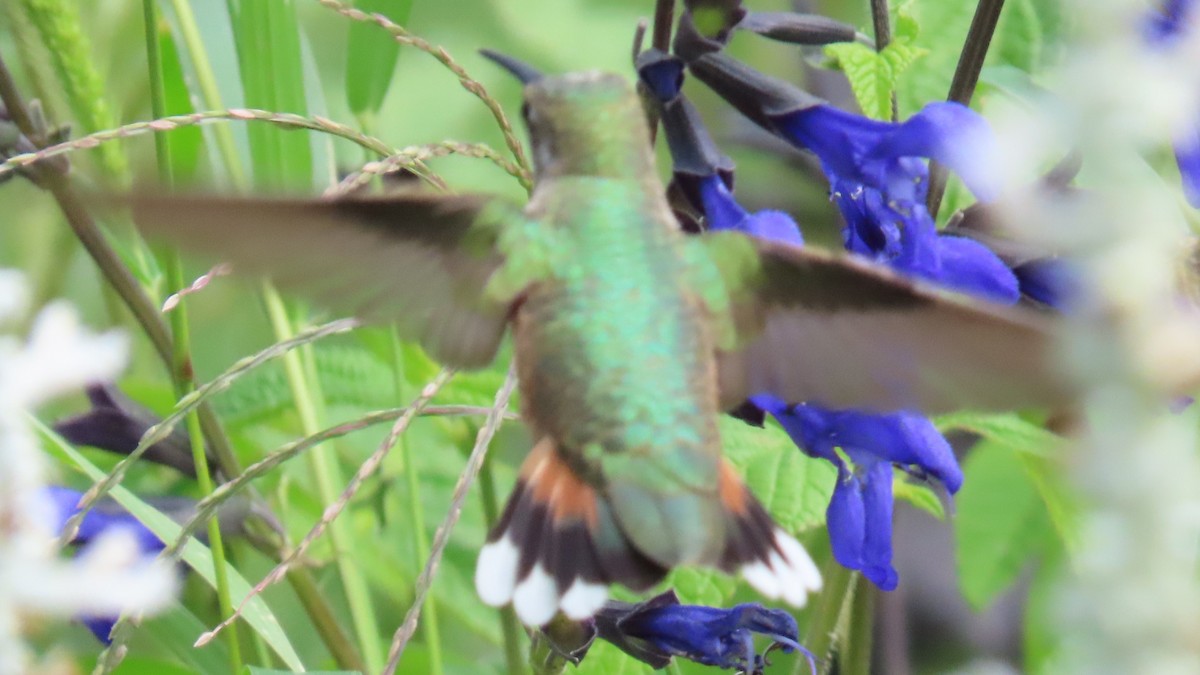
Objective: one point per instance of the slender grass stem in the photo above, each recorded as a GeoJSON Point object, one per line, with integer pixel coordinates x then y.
{"type": "Point", "coordinates": [114, 271]}
{"type": "Point", "coordinates": [181, 360]}
{"type": "Point", "coordinates": [442, 537]}
{"type": "Point", "coordinates": [401, 35]}
{"type": "Point", "coordinates": [966, 76]}
{"type": "Point", "coordinates": [420, 535]}
{"type": "Point", "coordinates": [326, 474]}
{"type": "Point", "coordinates": [301, 581]}
{"type": "Point", "coordinates": [207, 81]}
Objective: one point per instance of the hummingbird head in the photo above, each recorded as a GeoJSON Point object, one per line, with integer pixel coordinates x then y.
{"type": "Point", "coordinates": [582, 124]}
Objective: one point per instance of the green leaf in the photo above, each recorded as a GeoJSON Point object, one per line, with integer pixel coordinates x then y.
{"type": "Point", "coordinates": [1024, 35]}
{"type": "Point", "coordinates": [1043, 633]}
{"type": "Point", "coordinates": [944, 26]}
{"type": "Point", "coordinates": [696, 586]}
{"type": "Point", "coordinates": [1048, 476]}
{"type": "Point", "coordinates": [349, 375]}
{"type": "Point", "coordinates": [1035, 448]}
{"type": "Point", "coordinates": [917, 494]}
{"type": "Point", "coordinates": [794, 488]}
{"type": "Point", "coordinates": [175, 630]}
{"type": "Point", "coordinates": [1008, 429]}
{"type": "Point", "coordinates": [186, 142]}
{"type": "Point", "coordinates": [269, 59]}
{"type": "Point", "coordinates": [605, 659]}
{"type": "Point", "coordinates": [197, 556]}
{"type": "Point", "coordinates": [1001, 523]}
{"type": "Point", "coordinates": [371, 55]}
{"type": "Point", "coordinates": [256, 670]}
{"type": "Point", "coordinates": [874, 75]}
{"type": "Point", "coordinates": [1018, 39]}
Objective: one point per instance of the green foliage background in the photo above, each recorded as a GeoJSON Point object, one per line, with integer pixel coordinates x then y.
{"type": "Point", "coordinates": [87, 63]}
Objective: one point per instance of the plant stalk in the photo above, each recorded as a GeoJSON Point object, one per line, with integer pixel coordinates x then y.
{"type": "Point", "coordinates": [966, 76]}
{"type": "Point", "coordinates": [181, 360]}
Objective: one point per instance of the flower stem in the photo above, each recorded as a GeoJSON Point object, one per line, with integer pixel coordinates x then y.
{"type": "Point", "coordinates": [856, 653]}
{"type": "Point", "coordinates": [883, 35]}
{"type": "Point", "coordinates": [824, 632]}
{"type": "Point", "coordinates": [664, 16]}
{"type": "Point", "coordinates": [966, 76]}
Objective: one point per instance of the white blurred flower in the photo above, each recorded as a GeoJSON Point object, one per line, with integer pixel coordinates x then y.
{"type": "Point", "coordinates": [112, 577]}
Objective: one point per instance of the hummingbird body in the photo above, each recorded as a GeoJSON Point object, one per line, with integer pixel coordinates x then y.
{"type": "Point", "coordinates": [616, 355]}
{"type": "Point", "coordinates": [631, 337]}
{"type": "Point", "coordinates": [616, 360]}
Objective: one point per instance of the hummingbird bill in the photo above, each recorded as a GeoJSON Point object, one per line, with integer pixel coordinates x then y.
{"type": "Point", "coordinates": [630, 339]}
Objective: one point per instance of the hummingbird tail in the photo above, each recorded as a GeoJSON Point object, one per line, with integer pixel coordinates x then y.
{"type": "Point", "coordinates": [557, 546]}
{"type": "Point", "coordinates": [770, 559]}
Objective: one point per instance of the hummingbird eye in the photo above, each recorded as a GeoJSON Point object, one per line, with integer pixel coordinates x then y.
{"type": "Point", "coordinates": [527, 113]}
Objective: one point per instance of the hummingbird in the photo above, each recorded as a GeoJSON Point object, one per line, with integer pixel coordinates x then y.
{"type": "Point", "coordinates": [630, 339]}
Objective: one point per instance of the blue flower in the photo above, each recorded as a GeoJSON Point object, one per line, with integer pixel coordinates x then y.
{"type": "Point", "coordinates": [722, 212]}
{"type": "Point", "coordinates": [660, 628]}
{"type": "Point", "coordinates": [859, 516]}
{"type": "Point", "coordinates": [880, 154]}
{"type": "Point", "coordinates": [1166, 24]}
{"type": "Point", "coordinates": [879, 182]}
{"type": "Point", "coordinates": [877, 171]}
{"type": "Point", "coordinates": [1165, 28]}
{"type": "Point", "coordinates": [1187, 154]}
{"type": "Point", "coordinates": [880, 186]}
{"type": "Point", "coordinates": [104, 517]}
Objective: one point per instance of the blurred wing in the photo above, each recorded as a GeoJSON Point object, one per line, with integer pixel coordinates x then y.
{"type": "Point", "coordinates": [814, 327]}
{"type": "Point", "coordinates": [422, 261]}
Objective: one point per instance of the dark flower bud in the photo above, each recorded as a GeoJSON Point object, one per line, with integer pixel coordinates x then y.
{"type": "Point", "coordinates": [117, 424]}
{"type": "Point", "coordinates": [759, 97]}
{"type": "Point", "coordinates": [661, 73]}
{"type": "Point", "coordinates": [802, 29]}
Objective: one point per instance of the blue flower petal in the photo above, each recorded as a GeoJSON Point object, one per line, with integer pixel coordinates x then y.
{"type": "Point", "coordinates": [712, 636]}
{"type": "Point", "coordinates": [877, 536]}
{"type": "Point", "coordinates": [100, 626]}
{"type": "Point", "coordinates": [954, 135]}
{"type": "Point", "coordinates": [663, 76]}
{"type": "Point", "coordinates": [972, 268]}
{"type": "Point", "coordinates": [928, 450]}
{"type": "Point", "coordinates": [1169, 22]}
{"type": "Point", "coordinates": [774, 226]}
{"type": "Point", "coordinates": [846, 520]}
{"type": "Point", "coordinates": [63, 504]}
{"type": "Point", "coordinates": [840, 139]}
{"type": "Point", "coordinates": [1050, 281]}
{"type": "Point", "coordinates": [1187, 153]}
{"type": "Point", "coordinates": [860, 149]}
{"type": "Point", "coordinates": [721, 210]}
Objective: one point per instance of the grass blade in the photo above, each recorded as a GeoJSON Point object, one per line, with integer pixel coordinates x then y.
{"type": "Point", "coordinates": [197, 556]}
